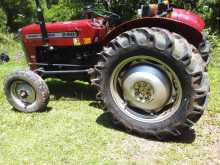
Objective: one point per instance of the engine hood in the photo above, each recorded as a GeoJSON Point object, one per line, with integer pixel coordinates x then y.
{"type": "Point", "coordinates": [79, 32]}
{"type": "Point", "coordinates": [188, 18]}
{"type": "Point", "coordinates": [67, 26]}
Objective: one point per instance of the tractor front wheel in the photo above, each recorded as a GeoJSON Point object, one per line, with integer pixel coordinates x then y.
{"type": "Point", "coordinates": [152, 81]}
{"type": "Point", "coordinates": [26, 91]}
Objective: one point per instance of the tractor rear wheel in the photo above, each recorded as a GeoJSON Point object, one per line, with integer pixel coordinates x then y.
{"type": "Point", "coordinates": [152, 81]}
{"type": "Point", "coordinates": [26, 91]}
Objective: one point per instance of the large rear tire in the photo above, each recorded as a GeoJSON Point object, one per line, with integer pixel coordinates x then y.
{"type": "Point", "coordinates": [26, 91]}
{"type": "Point", "coordinates": [141, 63]}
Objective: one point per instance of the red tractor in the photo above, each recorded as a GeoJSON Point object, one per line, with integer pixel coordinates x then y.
{"type": "Point", "coordinates": [150, 72]}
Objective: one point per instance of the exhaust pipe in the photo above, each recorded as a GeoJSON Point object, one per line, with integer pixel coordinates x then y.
{"type": "Point", "coordinates": [41, 19]}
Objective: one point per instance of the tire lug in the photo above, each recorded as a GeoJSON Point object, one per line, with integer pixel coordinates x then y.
{"type": "Point", "coordinates": [176, 47]}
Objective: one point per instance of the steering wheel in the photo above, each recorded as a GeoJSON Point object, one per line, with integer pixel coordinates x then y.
{"type": "Point", "coordinates": [166, 2]}
{"type": "Point", "coordinates": [110, 17]}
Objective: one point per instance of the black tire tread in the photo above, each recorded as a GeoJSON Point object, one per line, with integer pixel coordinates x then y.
{"type": "Point", "coordinates": [36, 81]}
{"type": "Point", "coordinates": [205, 49]}
{"type": "Point", "coordinates": [181, 50]}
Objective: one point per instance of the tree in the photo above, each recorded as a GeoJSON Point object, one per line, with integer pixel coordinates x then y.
{"type": "Point", "coordinates": [3, 21]}
{"type": "Point", "coordinates": [66, 9]}
{"type": "Point", "coordinates": [18, 12]}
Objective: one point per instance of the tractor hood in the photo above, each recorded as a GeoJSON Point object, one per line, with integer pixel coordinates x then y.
{"type": "Point", "coordinates": [57, 26]}
{"type": "Point", "coordinates": [188, 18]}
{"type": "Point", "coordinates": [67, 33]}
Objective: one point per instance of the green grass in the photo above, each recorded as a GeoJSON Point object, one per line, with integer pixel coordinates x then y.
{"type": "Point", "coordinates": [76, 131]}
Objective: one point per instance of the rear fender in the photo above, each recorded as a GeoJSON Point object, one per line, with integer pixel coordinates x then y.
{"type": "Point", "coordinates": [194, 36]}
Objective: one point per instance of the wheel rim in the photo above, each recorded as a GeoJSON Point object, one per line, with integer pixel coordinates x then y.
{"type": "Point", "coordinates": [146, 89]}
{"type": "Point", "coordinates": [22, 93]}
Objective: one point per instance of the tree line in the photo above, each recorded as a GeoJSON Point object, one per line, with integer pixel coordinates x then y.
{"type": "Point", "coordinates": [17, 13]}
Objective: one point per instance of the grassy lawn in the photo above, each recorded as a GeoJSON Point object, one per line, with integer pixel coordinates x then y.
{"type": "Point", "coordinates": [75, 130]}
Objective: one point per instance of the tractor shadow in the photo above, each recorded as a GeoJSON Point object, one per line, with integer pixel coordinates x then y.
{"type": "Point", "coordinates": [188, 136]}
{"type": "Point", "coordinates": [76, 91]}
{"type": "Point", "coordinates": [73, 91]}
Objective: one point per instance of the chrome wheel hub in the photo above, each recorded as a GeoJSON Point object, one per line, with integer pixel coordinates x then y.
{"type": "Point", "coordinates": [146, 87]}
{"type": "Point", "coordinates": [23, 93]}
{"type": "Point", "coordinates": [143, 91]}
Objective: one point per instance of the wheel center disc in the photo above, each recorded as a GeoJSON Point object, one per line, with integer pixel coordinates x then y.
{"type": "Point", "coordinates": [143, 91]}
{"type": "Point", "coordinates": [146, 87]}
{"type": "Point", "coordinates": [23, 92]}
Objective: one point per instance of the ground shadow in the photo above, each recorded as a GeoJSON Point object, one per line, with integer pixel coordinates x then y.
{"type": "Point", "coordinates": [84, 91]}
{"type": "Point", "coordinates": [187, 137]}
{"type": "Point", "coordinates": [48, 109]}
{"type": "Point", "coordinates": [71, 90]}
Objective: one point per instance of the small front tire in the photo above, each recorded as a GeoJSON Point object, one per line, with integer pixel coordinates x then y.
{"type": "Point", "coordinates": [26, 91]}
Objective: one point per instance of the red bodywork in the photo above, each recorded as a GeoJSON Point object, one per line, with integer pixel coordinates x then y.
{"type": "Point", "coordinates": [180, 21]}
{"type": "Point", "coordinates": [188, 18]}
{"type": "Point", "coordinates": [88, 32]}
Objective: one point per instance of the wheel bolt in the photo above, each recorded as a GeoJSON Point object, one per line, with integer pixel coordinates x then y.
{"type": "Point", "coordinates": [23, 94]}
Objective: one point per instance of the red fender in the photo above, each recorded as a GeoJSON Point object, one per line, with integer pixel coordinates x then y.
{"type": "Point", "coordinates": [190, 32]}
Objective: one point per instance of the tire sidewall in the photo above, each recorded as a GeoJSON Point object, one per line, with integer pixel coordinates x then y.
{"type": "Point", "coordinates": [179, 68]}
{"type": "Point", "coordinates": [36, 82]}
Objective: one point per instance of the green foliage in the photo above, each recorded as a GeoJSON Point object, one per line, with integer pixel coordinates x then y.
{"type": "Point", "coordinates": [18, 13]}
{"type": "Point", "coordinates": [65, 10]}
{"type": "Point", "coordinates": [55, 12]}
{"type": "Point", "coordinates": [211, 13]}
{"type": "Point", "coordinates": [125, 8]}
{"type": "Point", "coordinates": [210, 10]}
{"type": "Point", "coordinates": [2, 21]}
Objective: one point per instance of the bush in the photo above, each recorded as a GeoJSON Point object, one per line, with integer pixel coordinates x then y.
{"type": "Point", "coordinates": [210, 10]}
{"type": "Point", "coordinates": [19, 12]}
{"type": "Point", "coordinates": [66, 10]}
{"type": "Point", "coordinates": [3, 21]}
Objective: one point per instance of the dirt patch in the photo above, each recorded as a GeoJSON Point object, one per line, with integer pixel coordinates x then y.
{"type": "Point", "coordinates": [213, 149]}
{"type": "Point", "coordinates": [145, 150]}
{"type": "Point", "coordinates": [214, 152]}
